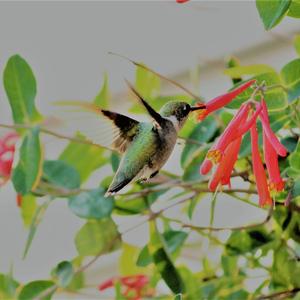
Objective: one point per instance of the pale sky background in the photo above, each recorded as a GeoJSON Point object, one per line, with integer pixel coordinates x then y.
{"type": "Point", "coordinates": [66, 44]}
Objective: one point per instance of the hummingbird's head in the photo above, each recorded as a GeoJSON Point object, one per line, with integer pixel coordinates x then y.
{"type": "Point", "coordinates": [178, 112]}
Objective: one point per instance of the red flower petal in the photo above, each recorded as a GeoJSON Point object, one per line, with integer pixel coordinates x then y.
{"type": "Point", "coordinates": [230, 133]}
{"type": "Point", "coordinates": [106, 284]}
{"type": "Point", "coordinates": [249, 123]}
{"type": "Point", "coordinates": [279, 148]}
{"type": "Point", "coordinates": [259, 171]}
{"type": "Point", "coordinates": [271, 159]}
{"type": "Point", "coordinates": [224, 169]}
{"type": "Point", "coordinates": [181, 1]}
{"type": "Point", "coordinates": [223, 100]}
{"type": "Point", "coordinates": [206, 166]}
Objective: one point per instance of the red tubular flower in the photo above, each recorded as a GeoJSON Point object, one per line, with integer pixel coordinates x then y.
{"type": "Point", "coordinates": [278, 147]}
{"type": "Point", "coordinates": [271, 159]}
{"type": "Point", "coordinates": [206, 166]}
{"type": "Point", "coordinates": [7, 150]}
{"type": "Point", "coordinates": [222, 100]}
{"type": "Point", "coordinates": [224, 169]}
{"type": "Point", "coordinates": [249, 123]}
{"type": "Point", "coordinates": [230, 134]}
{"type": "Point", "coordinates": [258, 170]}
{"type": "Point", "coordinates": [181, 1]}
{"type": "Point", "coordinates": [134, 283]}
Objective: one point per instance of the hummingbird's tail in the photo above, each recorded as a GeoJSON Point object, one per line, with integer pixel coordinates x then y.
{"type": "Point", "coordinates": [116, 187]}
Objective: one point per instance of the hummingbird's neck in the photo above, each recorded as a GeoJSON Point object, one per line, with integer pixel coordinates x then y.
{"type": "Point", "coordinates": [174, 121]}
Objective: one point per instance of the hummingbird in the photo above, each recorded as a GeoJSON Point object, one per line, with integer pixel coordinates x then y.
{"type": "Point", "coordinates": [145, 146]}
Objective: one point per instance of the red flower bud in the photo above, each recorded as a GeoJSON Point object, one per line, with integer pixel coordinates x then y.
{"type": "Point", "coordinates": [279, 148]}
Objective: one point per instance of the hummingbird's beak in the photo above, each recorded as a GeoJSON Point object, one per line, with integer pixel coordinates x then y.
{"type": "Point", "coordinates": [193, 108]}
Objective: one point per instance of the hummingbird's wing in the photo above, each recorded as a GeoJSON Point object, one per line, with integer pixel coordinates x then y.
{"type": "Point", "coordinates": [102, 127]}
{"type": "Point", "coordinates": [154, 114]}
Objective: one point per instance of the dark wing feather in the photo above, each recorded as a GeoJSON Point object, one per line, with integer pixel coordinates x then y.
{"type": "Point", "coordinates": [154, 114]}
{"type": "Point", "coordinates": [102, 127]}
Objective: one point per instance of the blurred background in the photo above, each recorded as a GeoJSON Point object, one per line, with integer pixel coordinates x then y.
{"type": "Point", "coordinates": [67, 45]}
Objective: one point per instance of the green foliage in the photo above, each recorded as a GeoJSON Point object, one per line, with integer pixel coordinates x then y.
{"type": "Point", "coordinates": [93, 158]}
{"type": "Point", "coordinates": [64, 273]}
{"type": "Point", "coordinates": [297, 43]}
{"type": "Point", "coordinates": [163, 261]}
{"type": "Point", "coordinates": [27, 173]}
{"type": "Point", "coordinates": [8, 286]}
{"type": "Point", "coordinates": [275, 98]}
{"type": "Point", "coordinates": [97, 237]}
{"type": "Point", "coordinates": [91, 204]}
{"type": "Point", "coordinates": [246, 248]}
{"type": "Point", "coordinates": [34, 289]}
{"type": "Point", "coordinates": [294, 10]}
{"type": "Point", "coordinates": [20, 87]}
{"type": "Point", "coordinates": [60, 174]}
{"type": "Point", "coordinates": [290, 74]}
{"type": "Point", "coordinates": [102, 99]}
{"type": "Point", "coordinates": [271, 12]}
{"type": "Point", "coordinates": [28, 209]}
{"type": "Point", "coordinates": [173, 239]}
{"type": "Point", "coordinates": [201, 134]}
{"type": "Point", "coordinates": [236, 72]}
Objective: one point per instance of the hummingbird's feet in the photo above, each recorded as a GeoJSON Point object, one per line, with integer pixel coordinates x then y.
{"type": "Point", "coordinates": [143, 180]}
{"type": "Point", "coordinates": [154, 174]}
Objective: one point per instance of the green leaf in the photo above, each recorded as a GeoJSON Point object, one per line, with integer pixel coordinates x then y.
{"type": "Point", "coordinates": [233, 62]}
{"type": "Point", "coordinates": [91, 204]}
{"type": "Point", "coordinates": [8, 286]}
{"type": "Point", "coordinates": [144, 258]}
{"type": "Point", "coordinates": [147, 83]}
{"type": "Point", "coordinates": [33, 289]}
{"type": "Point", "coordinates": [230, 265]}
{"type": "Point", "coordinates": [163, 261]}
{"type": "Point", "coordinates": [285, 269]}
{"type": "Point", "coordinates": [290, 74]}
{"type": "Point", "coordinates": [35, 221]}
{"type": "Point", "coordinates": [27, 173]}
{"type": "Point", "coordinates": [93, 158]}
{"type": "Point", "coordinates": [239, 71]}
{"type": "Point", "coordinates": [239, 242]}
{"type": "Point", "coordinates": [174, 239]}
{"type": "Point", "coordinates": [78, 279]}
{"type": "Point", "coordinates": [28, 209]}
{"type": "Point", "coordinates": [97, 237]}
{"type": "Point", "coordinates": [202, 133]}
{"type": "Point", "coordinates": [102, 99]}
{"type": "Point", "coordinates": [271, 12]}
{"type": "Point", "coordinates": [127, 261]}
{"type": "Point", "coordinates": [297, 43]}
{"type": "Point", "coordinates": [296, 189]}
{"type": "Point", "coordinates": [64, 272]}
{"type": "Point", "coordinates": [178, 297]}
{"type": "Point", "coordinates": [294, 9]}
{"type": "Point", "coordinates": [294, 159]}
{"type": "Point", "coordinates": [276, 98]}
{"type": "Point", "coordinates": [191, 172]}
{"type": "Point", "coordinates": [20, 87]}
{"type": "Point", "coordinates": [61, 174]}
